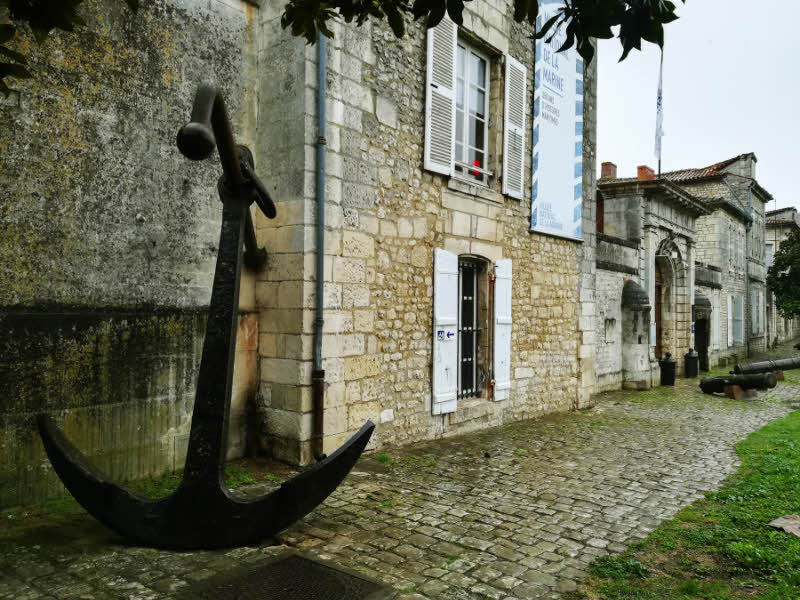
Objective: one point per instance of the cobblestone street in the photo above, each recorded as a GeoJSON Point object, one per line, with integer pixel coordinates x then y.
{"type": "Point", "coordinates": [510, 513]}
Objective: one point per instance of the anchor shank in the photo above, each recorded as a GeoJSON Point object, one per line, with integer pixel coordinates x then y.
{"type": "Point", "coordinates": [206, 452]}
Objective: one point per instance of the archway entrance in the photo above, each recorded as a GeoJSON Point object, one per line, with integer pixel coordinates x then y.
{"type": "Point", "coordinates": [657, 308]}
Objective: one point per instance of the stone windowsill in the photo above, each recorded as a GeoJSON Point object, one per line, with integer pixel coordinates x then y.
{"type": "Point", "coordinates": [463, 186]}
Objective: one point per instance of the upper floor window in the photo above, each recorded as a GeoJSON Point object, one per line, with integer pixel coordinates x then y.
{"type": "Point", "coordinates": [457, 108]}
{"type": "Point", "coordinates": [768, 255]}
{"type": "Point", "coordinates": [472, 113]}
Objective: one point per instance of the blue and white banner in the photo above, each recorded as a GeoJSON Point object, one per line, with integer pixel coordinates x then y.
{"type": "Point", "coordinates": [557, 188]}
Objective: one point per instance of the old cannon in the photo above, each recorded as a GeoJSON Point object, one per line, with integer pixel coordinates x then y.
{"type": "Point", "coordinates": [727, 383]}
{"type": "Point", "coordinates": [774, 366]}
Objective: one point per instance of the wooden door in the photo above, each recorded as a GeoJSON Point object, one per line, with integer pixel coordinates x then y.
{"type": "Point", "coordinates": [657, 308]}
{"type": "Point", "coordinates": [702, 337]}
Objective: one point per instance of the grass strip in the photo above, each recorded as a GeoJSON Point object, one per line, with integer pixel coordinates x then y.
{"type": "Point", "coordinates": [720, 547]}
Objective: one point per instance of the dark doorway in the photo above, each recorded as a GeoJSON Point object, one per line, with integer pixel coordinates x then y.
{"type": "Point", "coordinates": [657, 309]}
{"type": "Point", "coordinates": [702, 331]}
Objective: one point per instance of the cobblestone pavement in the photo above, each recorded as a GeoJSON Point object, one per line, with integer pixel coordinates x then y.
{"type": "Point", "coordinates": [515, 512]}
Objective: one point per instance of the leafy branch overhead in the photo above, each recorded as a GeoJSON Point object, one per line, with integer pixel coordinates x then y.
{"type": "Point", "coordinates": [42, 17]}
{"type": "Point", "coordinates": [783, 279]}
{"type": "Point", "coordinates": [579, 20]}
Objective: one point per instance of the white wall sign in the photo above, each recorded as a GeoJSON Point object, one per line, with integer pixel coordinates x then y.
{"type": "Point", "coordinates": [557, 189]}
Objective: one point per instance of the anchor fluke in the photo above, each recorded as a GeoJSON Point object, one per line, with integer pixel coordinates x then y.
{"type": "Point", "coordinates": [191, 517]}
{"type": "Point", "coordinates": [201, 513]}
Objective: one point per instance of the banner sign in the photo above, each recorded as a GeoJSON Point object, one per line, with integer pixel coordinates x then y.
{"type": "Point", "coordinates": [557, 188]}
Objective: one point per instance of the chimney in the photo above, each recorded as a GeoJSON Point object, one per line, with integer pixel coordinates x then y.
{"type": "Point", "coordinates": [645, 173]}
{"type": "Point", "coordinates": [608, 169]}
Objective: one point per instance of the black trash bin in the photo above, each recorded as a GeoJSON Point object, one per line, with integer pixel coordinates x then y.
{"type": "Point", "coordinates": [667, 369]}
{"type": "Point", "coordinates": [691, 363]}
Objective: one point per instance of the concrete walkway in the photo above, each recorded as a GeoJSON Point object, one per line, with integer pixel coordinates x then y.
{"type": "Point", "coordinates": [515, 512]}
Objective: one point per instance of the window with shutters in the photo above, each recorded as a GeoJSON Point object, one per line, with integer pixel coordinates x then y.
{"type": "Point", "coordinates": [471, 96]}
{"type": "Point", "coordinates": [471, 330]}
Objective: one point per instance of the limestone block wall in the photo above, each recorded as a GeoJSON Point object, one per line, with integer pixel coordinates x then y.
{"type": "Point", "coordinates": [108, 238]}
{"type": "Point", "coordinates": [617, 261]}
{"type": "Point", "coordinates": [608, 353]}
{"type": "Point", "coordinates": [714, 233]}
{"type": "Point", "coordinates": [384, 217]}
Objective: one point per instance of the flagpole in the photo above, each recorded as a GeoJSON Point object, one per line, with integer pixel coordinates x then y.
{"type": "Point", "coordinates": [660, 111]}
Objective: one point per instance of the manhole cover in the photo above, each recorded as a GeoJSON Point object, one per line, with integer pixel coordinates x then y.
{"type": "Point", "coordinates": [290, 577]}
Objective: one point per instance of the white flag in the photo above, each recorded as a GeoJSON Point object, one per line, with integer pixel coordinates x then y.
{"type": "Point", "coordinates": [660, 109]}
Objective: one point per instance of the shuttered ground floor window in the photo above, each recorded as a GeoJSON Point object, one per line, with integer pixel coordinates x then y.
{"type": "Point", "coordinates": [471, 329]}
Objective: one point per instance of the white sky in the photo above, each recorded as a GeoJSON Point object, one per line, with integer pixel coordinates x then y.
{"type": "Point", "coordinates": [730, 87]}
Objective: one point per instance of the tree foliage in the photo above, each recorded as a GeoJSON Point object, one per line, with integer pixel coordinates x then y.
{"type": "Point", "coordinates": [580, 21]}
{"type": "Point", "coordinates": [783, 278]}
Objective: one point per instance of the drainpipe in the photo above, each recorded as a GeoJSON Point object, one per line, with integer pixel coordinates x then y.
{"type": "Point", "coordinates": [318, 374]}
{"type": "Point", "coordinates": [748, 298]}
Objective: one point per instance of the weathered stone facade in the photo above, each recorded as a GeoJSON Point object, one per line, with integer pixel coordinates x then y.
{"type": "Point", "coordinates": [645, 280]}
{"type": "Point", "coordinates": [385, 215]}
{"type": "Point", "coordinates": [780, 224]}
{"type": "Point", "coordinates": [706, 253]}
{"type": "Point", "coordinates": [108, 238]}
{"type": "Point", "coordinates": [732, 238]}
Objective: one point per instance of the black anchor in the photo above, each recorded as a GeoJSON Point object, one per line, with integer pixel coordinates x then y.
{"type": "Point", "coordinates": [201, 512]}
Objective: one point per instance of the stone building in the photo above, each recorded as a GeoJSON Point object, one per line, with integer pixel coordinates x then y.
{"type": "Point", "coordinates": [705, 271]}
{"type": "Point", "coordinates": [645, 258]}
{"type": "Point", "coordinates": [424, 255]}
{"type": "Point", "coordinates": [108, 242]}
{"type": "Point", "coordinates": [730, 241]}
{"type": "Point", "coordinates": [108, 238]}
{"type": "Point", "coordinates": [780, 224]}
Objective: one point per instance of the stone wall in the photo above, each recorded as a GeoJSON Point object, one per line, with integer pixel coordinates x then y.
{"type": "Point", "coordinates": [108, 237]}
{"type": "Point", "coordinates": [384, 217]}
{"type": "Point", "coordinates": [618, 261]}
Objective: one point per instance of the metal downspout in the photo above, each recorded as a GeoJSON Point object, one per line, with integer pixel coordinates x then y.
{"type": "Point", "coordinates": [318, 374]}
{"type": "Point", "coordinates": [748, 298]}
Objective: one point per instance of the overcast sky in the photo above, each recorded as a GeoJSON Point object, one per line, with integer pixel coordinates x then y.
{"type": "Point", "coordinates": [730, 87]}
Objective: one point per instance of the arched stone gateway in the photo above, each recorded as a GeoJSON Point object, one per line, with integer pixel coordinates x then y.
{"type": "Point", "coordinates": [671, 301]}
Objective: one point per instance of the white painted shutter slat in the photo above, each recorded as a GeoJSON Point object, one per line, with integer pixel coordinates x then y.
{"type": "Point", "coordinates": [445, 332]}
{"type": "Point", "coordinates": [502, 329]}
{"type": "Point", "coordinates": [514, 136]}
{"type": "Point", "coordinates": [730, 321]}
{"type": "Point", "coordinates": [440, 101]}
{"type": "Point", "coordinates": [715, 324]}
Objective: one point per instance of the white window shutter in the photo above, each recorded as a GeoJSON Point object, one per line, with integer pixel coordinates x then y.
{"type": "Point", "coordinates": [440, 97]}
{"type": "Point", "coordinates": [445, 332]}
{"type": "Point", "coordinates": [730, 321]}
{"type": "Point", "coordinates": [502, 329]}
{"type": "Point", "coordinates": [715, 324]}
{"type": "Point", "coordinates": [514, 136]}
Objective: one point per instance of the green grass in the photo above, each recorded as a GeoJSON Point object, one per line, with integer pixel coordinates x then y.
{"type": "Point", "coordinates": [384, 459]}
{"type": "Point", "coordinates": [720, 547]}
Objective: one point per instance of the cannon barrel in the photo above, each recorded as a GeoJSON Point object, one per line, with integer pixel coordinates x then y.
{"type": "Point", "coordinates": [753, 381]}
{"type": "Point", "coordinates": [784, 364]}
